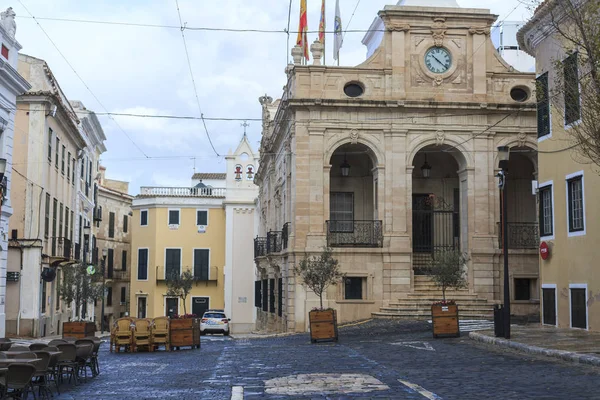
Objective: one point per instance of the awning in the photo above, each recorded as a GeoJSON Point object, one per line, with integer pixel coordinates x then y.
{"type": "Point", "coordinates": [56, 262]}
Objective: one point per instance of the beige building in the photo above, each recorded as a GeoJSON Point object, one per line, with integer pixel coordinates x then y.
{"type": "Point", "coordinates": [55, 152]}
{"type": "Point", "coordinates": [113, 218]}
{"type": "Point", "coordinates": [395, 159]}
{"type": "Point", "coordinates": [568, 184]}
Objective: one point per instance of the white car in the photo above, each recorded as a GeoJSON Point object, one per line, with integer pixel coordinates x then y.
{"type": "Point", "coordinates": [214, 321]}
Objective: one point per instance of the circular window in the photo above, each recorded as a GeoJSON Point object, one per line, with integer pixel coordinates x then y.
{"type": "Point", "coordinates": [519, 94]}
{"type": "Point", "coordinates": [354, 89]}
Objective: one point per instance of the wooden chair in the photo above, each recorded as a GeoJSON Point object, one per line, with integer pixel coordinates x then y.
{"type": "Point", "coordinates": [141, 334]}
{"type": "Point", "coordinates": [121, 334]}
{"type": "Point", "coordinates": [160, 332]}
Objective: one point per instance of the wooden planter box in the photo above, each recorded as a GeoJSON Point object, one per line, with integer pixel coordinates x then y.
{"type": "Point", "coordinates": [78, 330]}
{"type": "Point", "coordinates": [445, 320]}
{"type": "Point", "coordinates": [323, 326]}
{"type": "Point", "coordinates": [184, 332]}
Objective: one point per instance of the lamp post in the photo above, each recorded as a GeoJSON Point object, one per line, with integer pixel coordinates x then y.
{"type": "Point", "coordinates": [104, 254]}
{"type": "Point", "coordinates": [503, 157]}
{"type": "Point", "coordinates": [345, 167]}
{"type": "Point", "coordinates": [426, 168]}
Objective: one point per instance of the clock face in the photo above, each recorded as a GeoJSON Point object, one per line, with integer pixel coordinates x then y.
{"type": "Point", "coordinates": [438, 60]}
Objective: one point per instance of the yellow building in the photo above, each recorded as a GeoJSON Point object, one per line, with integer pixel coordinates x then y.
{"type": "Point", "coordinates": [568, 183]}
{"type": "Point", "coordinates": [173, 230]}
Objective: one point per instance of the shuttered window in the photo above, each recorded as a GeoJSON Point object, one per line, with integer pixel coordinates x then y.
{"type": "Point", "coordinates": [265, 295]}
{"type": "Point", "coordinates": [142, 264]}
{"type": "Point", "coordinates": [257, 298]}
{"type": "Point", "coordinates": [124, 260]}
{"type": "Point", "coordinates": [546, 223]}
{"type": "Point", "coordinates": [272, 296]}
{"type": "Point", "coordinates": [111, 225]}
{"type": "Point", "coordinates": [173, 263]}
{"type": "Point", "coordinates": [144, 217]}
{"type": "Point", "coordinates": [543, 105]}
{"type": "Point", "coordinates": [571, 90]}
{"type": "Point", "coordinates": [201, 264]}
{"type": "Point", "coordinates": [201, 217]}
{"type": "Point", "coordinates": [173, 217]}
{"type": "Point", "coordinates": [341, 206]}
{"type": "Point", "coordinates": [576, 215]}
{"type": "Point", "coordinates": [110, 263]}
{"type": "Point", "coordinates": [125, 223]}
{"type": "Point", "coordinates": [280, 297]}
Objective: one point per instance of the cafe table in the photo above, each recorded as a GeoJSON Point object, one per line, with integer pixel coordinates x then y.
{"type": "Point", "coordinates": [6, 362]}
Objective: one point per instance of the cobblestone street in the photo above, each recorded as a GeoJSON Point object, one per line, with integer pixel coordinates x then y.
{"type": "Point", "coordinates": [379, 359]}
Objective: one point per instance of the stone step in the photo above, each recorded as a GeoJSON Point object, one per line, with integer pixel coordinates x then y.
{"type": "Point", "coordinates": [461, 306]}
{"type": "Point", "coordinates": [438, 296]}
{"type": "Point", "coordinates": [427, 316]}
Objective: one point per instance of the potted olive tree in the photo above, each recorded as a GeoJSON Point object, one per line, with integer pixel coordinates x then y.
{"type": "Point", "coordinates": [317, 274]}
{"type": "Point", "coordinates": [447, 272]}
{"type": "Point", "coordinates": [184, 329]}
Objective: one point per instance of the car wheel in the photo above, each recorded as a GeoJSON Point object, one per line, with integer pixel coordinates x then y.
{"type": "Point", "coordinates": [226, 333]}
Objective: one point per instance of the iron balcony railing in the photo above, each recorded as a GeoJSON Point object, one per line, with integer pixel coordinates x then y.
{"type": "Point", "coordinates": [521, 235]}
{"type": "Point", "coordinates": [206, 274]}
{"type": "Point", "coordinates": [274, 242]}
{"type": "Point", "coordinates": [260, 247]}
{"type": "Point", "coordinates": [119, 275]}
{"type": "Point", "coordinates": [354, 234]}
{"type": "Point", "coordinates": [183, 191]}
{"type": "Point", "coordinates": [285, 234]}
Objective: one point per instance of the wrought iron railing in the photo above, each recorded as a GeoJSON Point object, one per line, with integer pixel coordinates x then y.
{"type": "Point", "coordinates": [260, 247]}
{"type": "Point", "coordinates": [521, 235]}
{"type": "Point", "coordinates": [120, 275]}
{"type": "Point", "coordinates": [354, 234]}
{"type": "Point", "coordinates": [285, 234]}
{"type": "Point", "coordinates": [163, 274]}
{"type": "Point", "coordinates": [274, 242]}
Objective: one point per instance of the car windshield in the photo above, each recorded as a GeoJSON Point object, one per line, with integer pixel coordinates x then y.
{"type": "Point", "coordinates": [214, 315]}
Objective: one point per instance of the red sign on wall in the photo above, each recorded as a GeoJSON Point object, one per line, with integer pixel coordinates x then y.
{"type": "Point", "coordinates": [544, 251]}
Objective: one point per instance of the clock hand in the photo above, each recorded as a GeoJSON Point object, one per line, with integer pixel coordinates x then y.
{"type": "Point", "coordinates": [438, 60]}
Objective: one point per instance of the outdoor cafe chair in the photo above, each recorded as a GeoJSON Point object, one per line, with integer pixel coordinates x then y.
{"type": "Point", "coordinates": [52, 370]}
{"type": "Point", "coordinates": [51, 348]}
{"type": "Point", "coordinates": [56, 342]}
{"type": "Point", "coordinates": [25, 356]}
{"type": "Point", "coordinates": [37, 346]}
{"type": "Point", "coordinates": [17, 381]}
{"type": "Point", "coordinates": [3, 356]}
{"type": "Point", "coordinates": [85, 348]}
{"type": "Point", "coordinates": [70, 339]}
{"type": "Point", "coordinates": [160, 332]}
{"type": "Point", "coordinates": [67, 362]}
{"type": "Point", "coordinates": [40, 378]}
{"type": "Point", "coordinates": [141, 334]}
{"type": "Point", "coordinates": [121, 334]}
{"type": "Point", "coordinates": [94, 356]}
{"type": "Point", "coordinates": [5, 344]}
{"type": "Point", "coordinates": [19, 348]}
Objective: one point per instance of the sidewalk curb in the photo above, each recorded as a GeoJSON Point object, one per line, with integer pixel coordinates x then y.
{"type": "Point", "coordinates": [242, 336]}
{"type": "Point", "coordinates": [560, 354]}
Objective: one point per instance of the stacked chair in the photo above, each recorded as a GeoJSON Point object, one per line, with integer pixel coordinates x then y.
{"type": "Point", "coordinates": [18, 381]}
{"type": "Point", "coordinates": [141, 334]}
{"type": "Point", "coordinates": [122, 335]}
{"type": "Point", "coordinates": [160, 332]}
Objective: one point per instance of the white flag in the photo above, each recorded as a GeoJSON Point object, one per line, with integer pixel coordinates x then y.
{"type": "Point", "coordinates": [339, 36]}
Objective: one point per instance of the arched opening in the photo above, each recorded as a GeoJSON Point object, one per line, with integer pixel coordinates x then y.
{"type": "Point", "coordinates": [521, 201]}
{"type": "Point", "coordinates": [353, 198]}
{"type": "Point", "coordinates": [436, 203]}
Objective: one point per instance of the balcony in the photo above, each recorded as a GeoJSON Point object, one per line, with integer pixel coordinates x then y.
{"type": "Point", "coordinates": [119, 275]}
{"type": "Point", "coordinates": [521, 235]}
{"type": "Point", "coordinates": [274, 242]}
{"type": "Point", "coordinates": [354, 234]}
{"type": "Point", "coordinates": [182, 192]}
{"type": "Point", "coordinates": [213, 275]}
{"type": "Point", "coordinates": [260, 247]}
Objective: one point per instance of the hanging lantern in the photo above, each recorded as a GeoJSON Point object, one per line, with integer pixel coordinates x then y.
{"type": "Point", "coordinates": [345, 167]}
{"type": "Point", "coordinates": [426, 169]}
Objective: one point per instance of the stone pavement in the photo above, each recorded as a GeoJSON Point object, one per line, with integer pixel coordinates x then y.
{"type": "Point", "coordinates": [379, 359]}
{"type": "Point", "coordinates": [574, 345]}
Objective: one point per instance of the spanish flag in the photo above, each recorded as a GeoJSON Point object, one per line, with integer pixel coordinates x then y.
{"type": "Point", "coordinates": [303, 29]}
{"type": "Point", "coordinates": [322, 24]}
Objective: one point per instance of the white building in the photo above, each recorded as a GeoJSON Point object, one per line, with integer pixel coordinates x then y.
{"type": "Point", "coordinates": [504, 37]}
{"type": "Point", "coordinates": [11, 85]}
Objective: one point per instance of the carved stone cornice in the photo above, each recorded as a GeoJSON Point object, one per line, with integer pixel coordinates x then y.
{"type": "Point", "coordinates": [479, 30]}
{"type": "Point", "coordinates": [397, 27]}
{"type": "Point", "coordinates": [438, 30]}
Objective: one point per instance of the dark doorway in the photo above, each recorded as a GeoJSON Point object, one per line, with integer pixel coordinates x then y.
{"type": "Point", "coordinates": [200, 305]}
{"type": "Point", "coordinates": [578, 309]}
{"type": "Point", "coordinates": [549, 306]}
{"type": "Point", "coordinates": [422, 223]}
{"type": "Point", "coordinates": [141, 307]}
{"type": "Point", "coordinates": [172, 307]}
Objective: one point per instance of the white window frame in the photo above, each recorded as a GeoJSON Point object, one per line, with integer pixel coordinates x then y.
{"type": "Point", "coordinates": [587, 308]}
{"type": "Point", "coordinates": [577, 122]}
{"type": "Point", "coordinates": [192, 303]}
{"type": "Point", "coordinates": [567, 178]}
{"type": "Point", "coordinates": [549, 135]}
{"type": "Point", "coordinates": [194, 260]}
{"type": "Point", "coordinates": [207, 215]}
{"type": "Point", "coordinates": [169, 216]}
{"type": "Point", "coordinates": [180, 260]}
{"type": "Point", "coordinates": [147, 216]}
{"type": "Point", "coordinates": [542, 186]}
{"type": "Point", "coordinates": [550, 286]}
{"type": "Point", "coordinates": [138, 296]}
{"type": "Point", "coordinates": [137, 265]}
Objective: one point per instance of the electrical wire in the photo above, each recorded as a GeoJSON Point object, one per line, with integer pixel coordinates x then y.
{"type": "Point", "coordinates": [187, 54]}
{"type": "Point", "coordinates": [80, 78]}
{"type": "Point", "coordinates": [350, 21]}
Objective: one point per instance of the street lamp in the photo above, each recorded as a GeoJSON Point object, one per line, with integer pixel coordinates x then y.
{"type": "Point", "coordinates": [104, 254]}
{"type": "Point", "coordinates": [503, 157]}
{"type": "Point", "coordinates": [426, 169]}
{"type": "Point", "coordinates": [345, 167]}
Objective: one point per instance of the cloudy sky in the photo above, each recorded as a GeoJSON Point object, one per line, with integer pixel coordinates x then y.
{"type": "Point", "coordinates": [144, 70]}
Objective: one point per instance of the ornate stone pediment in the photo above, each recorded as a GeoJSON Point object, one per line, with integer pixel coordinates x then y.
{"type": "Point", "coordinates": [438, 31]}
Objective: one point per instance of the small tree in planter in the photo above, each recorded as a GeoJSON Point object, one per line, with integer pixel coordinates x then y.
{"type": "Point", "coordinates": [446, 271]}
{"type": "Point", "coordinates": [180, 286]}
{"type": "Point", "coordinates": [80, 287]}
{"type": "Point", "coordinates": [317, 274]}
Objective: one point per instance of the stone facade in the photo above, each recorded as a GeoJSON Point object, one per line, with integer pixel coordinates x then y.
{"type": "Point", "coordinates": [113, 233]}
{"type": "Point", "coordinates": [344, 163]}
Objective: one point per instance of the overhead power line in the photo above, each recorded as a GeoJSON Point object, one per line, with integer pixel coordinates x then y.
{"type": "Point", "coordinates": [187, 55]}
{"type": "Point", "coordinates": [80, 78]}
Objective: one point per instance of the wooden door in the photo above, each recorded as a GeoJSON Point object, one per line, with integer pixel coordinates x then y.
{"type": "Point", "coordinates": [172, 306]}
{"type": "Point", "coordinates": [200, 305]}
{"type": "Point", "coordinates": [578, 309]}
{"type": "Point", "coordinates": [549, 306]}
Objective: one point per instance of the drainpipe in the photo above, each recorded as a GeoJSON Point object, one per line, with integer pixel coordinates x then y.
{"type": "Point", "coordinates": [20, 292]}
